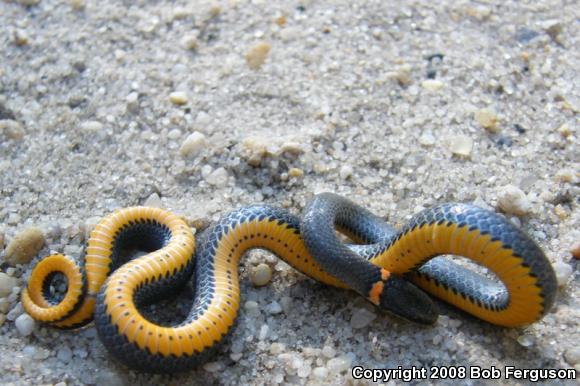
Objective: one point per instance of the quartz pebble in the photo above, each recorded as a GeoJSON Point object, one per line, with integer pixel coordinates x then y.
{"type": "Point", "coordinates": [361, 318]}
{"type": "Point", "coordinates": [256, 55]}
{"type": "Point", "coordinates": [91, 126]}
{"type": "Point", "coordinates": [189, 42]}
{"type": "Point", "coordinates": [193, 144]}
{"type": "Point", "coordinates": [64, 354]}
{"type": "Point", "coordinates": [212, 367]}
{"type": "Point", "coordinates": [339, 364]}
{"type": "Point", "coordinates": [563, 273]}
{"type": "Point", "coordinates": [261, 275]}
{"type": "Point", "coordinates": [6, 284]}
{"type": "Point", "coordinates": [461, 145]}
{"type": "Point", "coordinates": [24, 246]}
{"type": "Point", "coordinates": [513, 200]}
{"type": "Point", "coordinates": [153, 201]}
{"type": "Point", "coordinates": [320, 373]}
{"type": "Point", "coordinates": [427, 139]}
{"type": "Point", "coordinates": [25, 324]}
{"type": "Point", "coordinates": [218, 177]}
{"type": "Point", "coordinates": [432, 85]}
{"type": "Point", "coordinates": [274, 308]}
{"type": "Point", "coordinates": [345, 172]}
{"type": "Point", "coordinates": [178, 98]}
{"type": "Point", "coordinates": [486, 119]}
{"type": "Point", "coordinates": [328, 352]}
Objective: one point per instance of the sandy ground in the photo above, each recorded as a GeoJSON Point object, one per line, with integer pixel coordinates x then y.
{"type": "Point", "coordinates": [397, 106]}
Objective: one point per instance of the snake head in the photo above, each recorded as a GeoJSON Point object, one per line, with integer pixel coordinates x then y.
{"type": "Point", "coordinates": [405, 300]}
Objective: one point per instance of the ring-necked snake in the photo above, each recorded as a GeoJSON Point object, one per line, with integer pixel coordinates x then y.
{"type": "Point", "coordinates": [311, 246]}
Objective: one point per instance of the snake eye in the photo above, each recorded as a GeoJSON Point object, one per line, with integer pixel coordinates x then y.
{"type": "Point", "coordinates": [403, 299]}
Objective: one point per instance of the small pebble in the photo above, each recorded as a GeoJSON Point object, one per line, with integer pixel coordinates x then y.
{"type": "Point", "coordinates": [20, 37]}
{"type": "Point", "coordinates": [575, 251]}
{"type": "Point", "coordinates": [64, 354]}
{"type": "Point", "coordinates": [193, 144]}
{"type": "Point", "coordinates": [178, 98]}
{"type": "Point", "coordinates": [525, 340]}
{"type": "Point", "coordinates": [77, 5]}
{"type": "Point", "coordinates": [345, 172]}
{"type": "Point", "coordinates": [564, 130]}
{"type": "Point", "coordinates": [153, 201]}
{"type": "Point", "coordinates": [6, 284]}
{"type": "Point", "coordinates": [91, 126]}
{"type": "Point", "coordinates": [276, 348]}
{"type": "Point", "coordinates": [261, 275]}
{"type": "Point", "coordinates": [212, 367]}
{"type": "Point", "coordinates": [513, 200]}
{"type": "Point", "coordinates": [25, 324]}
{"type": "Point", "coordinates": [361, 318]}
{"type": "Point", "coordinates": [427, 139]}
{"type": "Point", "coordinates": [563, 273]}
{"type": "Point", "coordinates": [189, 42]}
{"type": "Point", "coordinates": [461, 145]}
{"type": "Point", "coordinates": [320, 373]}
{"type": "Point", "coordinates": [256, 55]}
{"type": "Point", "coordinates": [295, 172]}
{"type": "Point", "coordinates": [218, 177]}
{"type": "Point", "coordinates": [24, 246]}
{"type": "Point", "coordinates": [432, 85]}
{"type": "Point", "coordinates": [339, 365]}
{"type": "Point", "coordinates": [11, 129]}
{"type": "Point", "coordinates": [274, 308]}
{"type": "Point", "coordinates": [487, 119]}
{"type": "Point", "coordinates": [328, 352]}
{"type": "Point", "coordinates": [572, 356]}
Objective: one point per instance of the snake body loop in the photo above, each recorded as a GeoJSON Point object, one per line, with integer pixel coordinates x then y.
{"type": "Point", "coordinates": [110, 291]}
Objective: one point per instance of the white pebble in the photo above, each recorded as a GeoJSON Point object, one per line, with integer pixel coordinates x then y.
{"type": "Point", "coordinates": [174, 134]}
{"type": "Point", "coordinates": [427, 139]}
{"type": "Point", "coordinates": [91, 126]}
{"type": "Point", "coordinates": [264, 330]}
{"type": "Point", "coordinates": [6, 284]}
{"type": "Point", "coordinates": [276, 348]}
{"type": "Point", "coordinates": [345, 172]}
{"type": "Point", "coordinates": [261, 275]}
{"type": "Point", "coordinates": [328, 352]}
{"type": "Point", "coordinates": [304, 371]}
{"type": "Point", "coordinates": [178, 98]}
{"type": "Point", "coordinates": [218, 177]}
{"type": "Point", "coordinates": [274, 308]}
{"type": "Point", "coordinates": [320, 373]}
{"type": "Point", "coordinates": [339, 365]}
{"type": "Point", "coordinates": [153, 201]}
{"type": "Point", "coordinates": [189, 42]}
{"type": "Point", "coordinates": [361, 318]}
{"type": "Point", "coordinates": [251, 306]}
{"type": "Point", "coordinates": [563, 273]}
{"type": "Point", "coordinates": [461, 145]}
{"type": "Point", "coordinates": [432, 85]}
{"type": "Point", "coordinates": [25, 324]}
{"type": "Point", "coordinates": [525, 340]}
{"type": "Point", "coordinates": [212, 367]}
{"type": "Point", "coordinates": [193, 144]}
{"type": "Point", "coordinates": [513, 200]}
{"type": "Point", "coordinates": [486, 119]}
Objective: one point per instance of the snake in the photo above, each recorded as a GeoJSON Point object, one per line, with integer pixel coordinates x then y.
{"type": "Point", "coordinates": [399, 271]}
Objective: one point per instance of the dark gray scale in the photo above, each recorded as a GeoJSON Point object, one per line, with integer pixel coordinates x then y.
{"type": "Point", "coordinates": [324, 212]}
